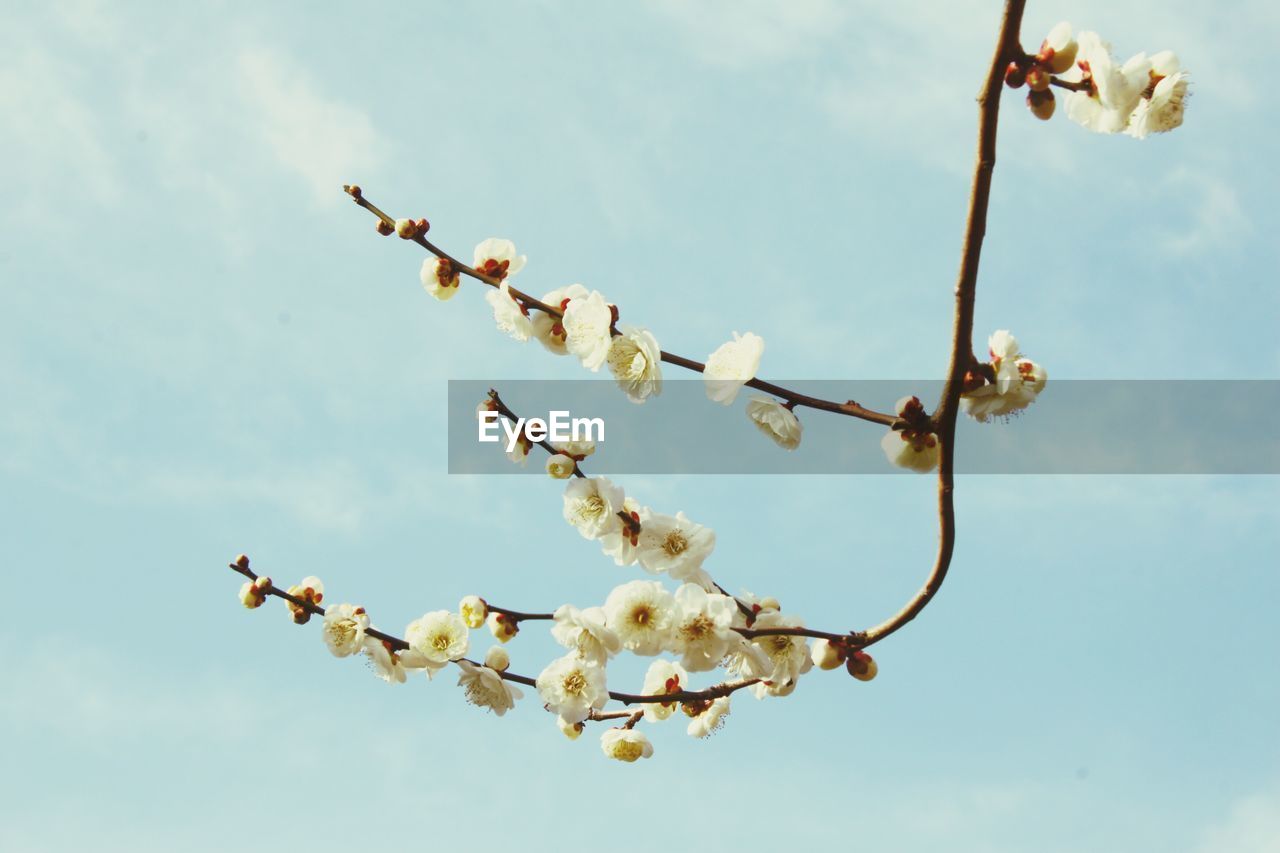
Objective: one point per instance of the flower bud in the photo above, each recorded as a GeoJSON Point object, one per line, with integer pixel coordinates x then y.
{"type": "Point", "coordinates": [254, 592]}
{"type": "Point", "coordinates": [407, 229]}
{"type": "Point", "coordinates": [384, 228]}
{"type": "Point", "coordinates": [827, 655]}
{"type": "Point", "coordinates": [497, 659]}
{"type": "Point", "coordinates": [473, 611]}
{"type": "Point", "coordinates": [1041, 104]}
{"type": "Point", "coordinates": [1058, 50]}
{"type": "Point", "coordinates": [862, 666]}
{"type": "Point", "coordinates": [1015, 75]}
{"type": "Point", "coordinates": [502, 627]}
{"type": "Point", "coordinates": [770, 603]}
{"type": "Point", "coordinates": [242, 561]}
{"type": "Point", "coordinates": [570, 730]}
{"type": "Point", "coordinates": [560, 466]}
{"type": "Point", "coordinates": [1038, 79]}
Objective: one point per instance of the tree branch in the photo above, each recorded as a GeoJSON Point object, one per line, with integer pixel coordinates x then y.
{"type": "Point", "coordinates": [1008, 47]}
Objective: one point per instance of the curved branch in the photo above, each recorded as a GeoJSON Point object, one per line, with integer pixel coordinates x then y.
{"type": "Point", "coordinates": [1007, 47]}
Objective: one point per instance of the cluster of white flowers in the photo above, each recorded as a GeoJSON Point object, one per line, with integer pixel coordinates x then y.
{"type": "Point", "coordinates": [631, 533]}
{"type": "Point", "coordinates": [1143, 95]}
{"type": "Point", "coordinates": [1014, 383]}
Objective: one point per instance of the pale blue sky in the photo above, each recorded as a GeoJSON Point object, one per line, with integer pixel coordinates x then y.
{"type": "Point", "coordinates": [204, 349]}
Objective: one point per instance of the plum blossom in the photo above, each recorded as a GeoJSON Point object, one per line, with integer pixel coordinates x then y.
{"type": "Point", "coordinates": [641, 614]}
{"type": "Point", "coordinates": [548, 328]}
{"type": "Point", "coordinates": [253, 593]}
{"type": "Point", "coordinates": [675, 545]}
{"type": "Point", "coordinates": [709, 718]}
{"type": "Point", "coordinates": [343, 630]}
{"type": "Point", "coordinates": [585, 632]}
{"type": "Point", "coordinates": [474, 610]}
{"type": "Point", "coordinates": [732, 365]}
{"type": "Point", "coordinates": [560, 467]}
{"type": "Point", "coordinates": [440, 278]}
{"type": "Point", "coordinates": [440, 637]}
{"type": "Point", "coordinates": [621, 542]}
{"type": "Point", "coordinates": [1111, 92]}
{"type": "Point", "coordinates": [1161, 107]}
{"type": "Point", "coordinates": [497, 659]}
{"type": "Point", "coordinates": [571, 730]}
{"type": "Point", "coordinates": [702, 627]}
{"type": "Point", "coordinates": [587, 322]}
{"type": "Point", "coordinates": [573, 687]}
{"type": "Point", "coordinates": [1018, 381]}
{"type": "Point", "coordinates": [309, 589]}
{"type": "Point", "coordinates": [485, 688]}
{"type": "Point", "coordinates": [497, 258]}
{"type": "Point", "coordinates": [388, 664]}
{"type": "Point", "coordinates": [663, 677]}
{"type": "Point", "coordinates": [1058, 50]}
{"type": "Point", "coordinates": [591, 505]}
{"type": "Point", "coordinates": [826, 654]}
{"type": "Point", "coordinates": [510, 316]}
{"type": "Point", "coordinates": [788, 656]}
{"type": "Point", "coordinates": [625, 744]}
{"type": "Point", "coordinates": [635, 360]}
{"type": "Point", "coordinates": [775, 420]}
{"type": "Point", "coordinates": [915, 446]}
{"type": "Point", "coordinates": [502, 626]}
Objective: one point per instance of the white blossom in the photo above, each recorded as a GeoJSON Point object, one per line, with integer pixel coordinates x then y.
{"type": "Point", "coordinates": [253, 593]}
{"type": "Point", "coordinates": [587, 322]}
{"type": "Point", "coordinates": [585, 632]}
{"type": "Point", "coordinates": [826, 654]}
{"type": "Point", "coordinates": [1163, 101]}
{"type": "Point", "coordinates": [439, 278]}
{"type": "Point", "coordinates": [573, 687]}
{"type": "Point", "coordinates": [548, 328]}
{"type": "Point", "coordinates": [497, 258]}
{"type": "Point", "coordinates": [675, 545]}
{"type": "Point", "coordinates": [914, 447]}
{"type": "Point", "coordinates": [591, 505]}
{"type": "Point", "coordinates": [497, 658]}
{"type": "Point", "coordinates": [561, 467]}
{"type": "Point", "coordinates": [502, 626]}
{"type": "Point", "coordinates": [663, 676]}
{"type": "Point", "coordinates": [309, 589]}
{"type": "Point", "coordinates": [621, 542]}
{"type": "Point", "coordinates": [635, 360]}
{"type": "Point", "coordinates": [388, 664]}
{"type": "Point", "coordinates": [1112, 91]}
{"type": "Point", "coordinates": [625, 744]}
{"type": "Point", "coordinates": [510, 316]}
{"type": "Point", "coordinates": [710, 719]}
{"type": "Point", "coordinates": [702, 627]}
{"type": "Point", "coordinates": [485, 688]}
{"type": "Point", "coordinates": [788, 656]}
{"type": "Point", "coordinates": [439, 636]}
{"type": "Point", "coordinates": [641, 614]}
{"type": "Point", "coordinates": [775, 420]}
{"type": "Point", "coordinates": [577, 450]}
{"type": "Point", "coordinates": [570, 730]}
{"type": "Point", "coordinates": [1064, 48]}
{"type": "Point", "coordinates": [344, 627]}
{"type": "Point", "coordinates": [731, 366]}
{"type": "Point", "coordinates": [1018, 381]}
{"type": "Point", "coordinates": [473, 610]}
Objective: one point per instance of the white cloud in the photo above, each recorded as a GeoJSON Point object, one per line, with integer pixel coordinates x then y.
{"type": "Point", "coordinates": [738, 33]}
{"type": "Point", "coordinates": [324, 141]}
{"type": "Point", "coordinates": [1253, 826]}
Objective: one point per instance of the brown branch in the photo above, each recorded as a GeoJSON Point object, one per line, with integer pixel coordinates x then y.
{"type": "Point", "coordinates": [1007, 48]}
{"type": "Point", "coordinates": [242, 567]}
{"type": "Point", "coordinates": [849, 408]}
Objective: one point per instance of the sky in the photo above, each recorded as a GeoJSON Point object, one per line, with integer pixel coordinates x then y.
{"type": "Point", "coordinates": [205, 349]}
